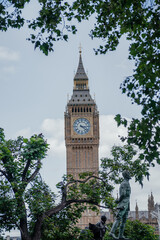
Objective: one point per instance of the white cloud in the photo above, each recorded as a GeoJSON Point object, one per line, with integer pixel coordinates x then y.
{"type": "Point", "coordinates": [8, 55]}
{"type": "Point", "coordinates": [54, 132]}
{"type": "Point", "coordinates": [53, 127]}
{"type": "Point", "coordinates": [26, 132]}
{"type": "Point", "coordinates": [109, 134]}
{"type": "Point", "coordinates": [56, 147]}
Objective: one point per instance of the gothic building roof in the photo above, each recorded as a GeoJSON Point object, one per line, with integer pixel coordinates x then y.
{"type": "Point", "coordinates": [81, 97]}
{"type": "Point", "coordinates": [80, 74]}
{"type": "Point", "coordinates": [81, 94]}
{"type": "Point", "coordinates": [141, 214]}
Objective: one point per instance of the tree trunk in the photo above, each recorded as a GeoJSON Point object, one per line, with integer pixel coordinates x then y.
{"type": "Point", "coordinates": [37, 228]}
{"type": "Point", "coordinates": [25, 238]}
{"type": "Point", "coordinates": [23, 220]}
{"type": "Point", "coordinates": [24, 230]}
{"type": "Point", "coordinates": [37, 235]}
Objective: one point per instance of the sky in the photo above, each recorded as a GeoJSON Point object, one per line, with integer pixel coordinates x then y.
{"type": "Point", "coordinates": [34, 90]}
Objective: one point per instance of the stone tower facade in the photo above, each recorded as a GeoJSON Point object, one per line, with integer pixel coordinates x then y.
{"type": "Point", "coordinates": [151, 207]}
{"type": "Point", "coordinates": [137, 211]}
{"type": "Point", "coordinates": [82, 133]}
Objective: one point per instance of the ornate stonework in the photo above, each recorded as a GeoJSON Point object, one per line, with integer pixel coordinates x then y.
{"type": "Point", "coordinates": [82, 133]}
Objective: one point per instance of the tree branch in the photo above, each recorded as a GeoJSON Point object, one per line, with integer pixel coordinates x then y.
{"type": "Point", "coordinates": [59, 208]}
{"type": "Point", "coordinates": [25, 170]}
{"type": "Point", "coordinates": [63, 205]}
{"type": "Point", "coordinates": [8, 172]}
{"type": "Point", "coordinates": [84, 181]}
{"type": "Point", "coordinates": [64, 188]}
{"type": "Point", "coordinates": [4, 173]}
{"type": "Point", "coordinates": [35, 172]}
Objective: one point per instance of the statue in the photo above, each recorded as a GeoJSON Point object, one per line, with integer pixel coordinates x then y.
{"type": "Point", "coordinates": [102, 227]}
{"type": "Point", "coordinates": [99, 229]}
{"type": "Point", "coordinates": [123, 207]}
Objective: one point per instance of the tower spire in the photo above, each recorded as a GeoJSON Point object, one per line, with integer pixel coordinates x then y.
{"type": "Point", "coordinates": [80, 78]}
{"type": "Point", "coordinates": [137, 211]}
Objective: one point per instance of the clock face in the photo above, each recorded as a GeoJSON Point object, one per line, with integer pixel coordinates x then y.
{"type": "Point", "coordinates": [81, 126]}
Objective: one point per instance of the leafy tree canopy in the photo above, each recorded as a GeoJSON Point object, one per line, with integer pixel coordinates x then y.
{"type": "Point", "coordinates": [27, 203]}
{"type": "Point", "coordinates": [139, 21]}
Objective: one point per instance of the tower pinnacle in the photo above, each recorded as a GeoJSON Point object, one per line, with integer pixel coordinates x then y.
{"type": "Point", "coordinates": [80, 49]}
{"type": "Point", "coordinates": [80, 78]}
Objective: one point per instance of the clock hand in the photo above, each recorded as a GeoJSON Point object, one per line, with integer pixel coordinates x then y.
{"type": "Point", "coordinates": [83, 126]}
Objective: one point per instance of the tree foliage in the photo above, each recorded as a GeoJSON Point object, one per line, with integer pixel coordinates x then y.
{"type": "Point", "coordinates": [27, 203]}
{"type": "Point", "coordinates": [140, 231]}
{"type": "Point", "coordinates": [136, 230]}
{"type": "Point", "coordinates": [138, 21]}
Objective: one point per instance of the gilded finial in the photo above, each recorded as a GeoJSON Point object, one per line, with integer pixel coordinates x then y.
{"type": "Point", "coordinates": [80, 48]}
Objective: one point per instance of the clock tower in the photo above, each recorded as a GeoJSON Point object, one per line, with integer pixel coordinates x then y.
{"type": "Point", "coordinates": [82, 133]}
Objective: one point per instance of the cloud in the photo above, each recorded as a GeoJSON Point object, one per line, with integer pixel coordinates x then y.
{"type": "Point", "coordinates": [26, 132]}
{"type": "Point", "coordinates": [53, 127]}
{"type": "Point", "coordinates": [109, 134]}
{"type": "Point", "coordinates": [54, 132]}
{"type": "Point", "coordinates": [8, 55]}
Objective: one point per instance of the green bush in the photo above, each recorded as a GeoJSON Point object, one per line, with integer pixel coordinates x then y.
{"type": "Point", "coordinates": [136, 230]}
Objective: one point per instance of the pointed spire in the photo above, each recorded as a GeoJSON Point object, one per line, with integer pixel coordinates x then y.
{"type": "Point", "coordinates": [151, 205]}
{"type": "Point", "coordinates": [80, 74]}
{"type": "Point", "coordinates": [152, 201]}
{"type": "Point", "coordinates": [81, 94]}
{"type": "Point", "coordinates": [137, 211]}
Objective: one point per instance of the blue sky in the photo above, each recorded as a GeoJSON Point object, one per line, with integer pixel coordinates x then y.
{"type": "Point", "coordinates": [34, 92]}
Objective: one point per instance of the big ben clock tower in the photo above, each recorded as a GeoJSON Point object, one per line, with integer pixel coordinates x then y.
{"type": "Point", "coordinates": [82, 133]}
